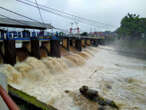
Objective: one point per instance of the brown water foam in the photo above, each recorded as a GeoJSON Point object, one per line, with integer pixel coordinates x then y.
{"type": "Point", "coordinates": [46, 79]}
{"type": "Point", "coordinates": [34, 69]}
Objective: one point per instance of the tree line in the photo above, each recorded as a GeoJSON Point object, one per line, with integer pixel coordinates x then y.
{"type": "Point", "coordinates": [132, 26]}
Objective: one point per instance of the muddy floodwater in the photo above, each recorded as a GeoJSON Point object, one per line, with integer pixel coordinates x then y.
{"type": "Point", "coordinates": [116, 77]}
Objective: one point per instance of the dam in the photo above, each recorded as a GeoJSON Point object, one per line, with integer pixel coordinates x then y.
{"type": "Point", "coordinates": [34, 57]}
{"type": "Point", "coordinates": [38, 44]}
{"type": "Point", "coordinates": [48, 71]}
{"type": "Point", "coordinates": [43, 67]}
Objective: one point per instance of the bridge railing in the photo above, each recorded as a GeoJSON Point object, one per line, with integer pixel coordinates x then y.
{"type": "Point", "coordinates": [27, 35]}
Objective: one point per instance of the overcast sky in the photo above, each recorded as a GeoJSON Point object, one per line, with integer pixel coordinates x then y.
{"type": "Point", "coordinates": [105, 11]}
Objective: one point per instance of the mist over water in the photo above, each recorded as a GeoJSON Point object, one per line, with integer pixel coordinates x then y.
{"type": "Point", "coordinates": [130, 47]}
{"type": "Point", "coordinates": [116, 77]}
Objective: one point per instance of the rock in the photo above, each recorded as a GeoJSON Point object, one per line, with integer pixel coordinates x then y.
{"type": "Point", "coordinates": [89, 93]}
{"type": "Point", "coordinates": [111, 104]}
{"type": "Point", "coordinates": [94, 96]}
{"type": "Point", "coordinates": [101, 101]}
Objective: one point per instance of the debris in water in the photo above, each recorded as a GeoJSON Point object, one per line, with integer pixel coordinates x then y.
{"type": "Point", "coordinates": [66, 91]}
{"type": "Point", "coordinates": [92, 74]}
{"type": "Point", "coordinates": [94, 96]}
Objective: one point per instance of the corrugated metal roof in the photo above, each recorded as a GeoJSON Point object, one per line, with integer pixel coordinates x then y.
{"type": "Point", "coordinates": [6, 22]}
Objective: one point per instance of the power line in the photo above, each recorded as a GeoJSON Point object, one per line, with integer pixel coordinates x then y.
{"type": "Point", "coordinates": [64, 14]}
{"type": "Point", "coordinates": [41, 8]}
{"type": "Point", "coordinates": [25, 24]}
{"type": "Point", "coordinates": [39, 12]}
{"type": "Point", "coordinates": [20, 15]}
{"type": "Point", "coordinates": [78, 17]}
{"type": "Point", "coordinates": [24, 17]}
{"type": "Point", "coordinates": [67, 15]}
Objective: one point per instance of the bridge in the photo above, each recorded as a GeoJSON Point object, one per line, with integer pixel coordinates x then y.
{"type": "Point", "coordinates": [34, 42]}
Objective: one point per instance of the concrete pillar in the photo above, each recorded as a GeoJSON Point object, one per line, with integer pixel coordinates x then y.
{"type": "Point", "coordinates": [1, 52]}
{"type": "Point", "coordinates": [55, 48]}
{"type": "Point", "coordinates": [68, 44]}
{"type": "Point", "coordinates": [9, 52]}
{"type": "Point", "coordinates": [71, 42]}
{"type": "Point", "coordinates": [35, 48]}
{"type": "Point", "coordinates": [78, 44]}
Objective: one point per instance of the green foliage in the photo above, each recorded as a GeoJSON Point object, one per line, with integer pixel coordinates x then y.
{"type": "Point", "coordinates": [132, 25]}
{"type": "Point", "coordinates": [84, 34]}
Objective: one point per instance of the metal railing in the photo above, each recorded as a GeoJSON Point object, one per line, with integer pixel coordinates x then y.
{"type": "Point", "coordinates": [7, 99]}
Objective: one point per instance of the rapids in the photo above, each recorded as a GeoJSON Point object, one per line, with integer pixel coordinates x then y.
{"type": "Point", "coordinates": [116, 77]}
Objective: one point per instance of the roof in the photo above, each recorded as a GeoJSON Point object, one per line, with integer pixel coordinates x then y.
{"type": "Point", "coordinates": [6, 22]}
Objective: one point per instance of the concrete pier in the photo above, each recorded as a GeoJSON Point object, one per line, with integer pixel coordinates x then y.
{"type": "Point", "coordinates": [78, 44]}
{"type": "Point", "coordinates": [35, 48]}
{"type": "Point", "coordinates": [55, 48]}
{"type": "Point", "coordinates": [1, 52]}
{"type": "Point", "coordinates": [68, 44]}
{"type": "Point", "coordinates": [9, 52]}
{"type": "Point", "coordinates": [71, 42]}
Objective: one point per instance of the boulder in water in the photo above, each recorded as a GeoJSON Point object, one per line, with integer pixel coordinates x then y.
{"type": "Point", "coordinates": [94, 96]}
{"type": "Point", "coordinates": [89, 93]}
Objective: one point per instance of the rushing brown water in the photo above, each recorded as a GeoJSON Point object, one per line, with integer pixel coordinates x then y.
{"type": "Point", "coordinates": [116, 77]}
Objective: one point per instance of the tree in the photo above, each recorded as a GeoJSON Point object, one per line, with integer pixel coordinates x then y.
{"type": "Point", "coordinates": [132, 25]}
{"type": "Point", "coordinates": [84, 34]}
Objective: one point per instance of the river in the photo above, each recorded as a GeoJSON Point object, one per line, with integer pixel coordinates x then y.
{"type": "Point", "coordinates": [56, 81]}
